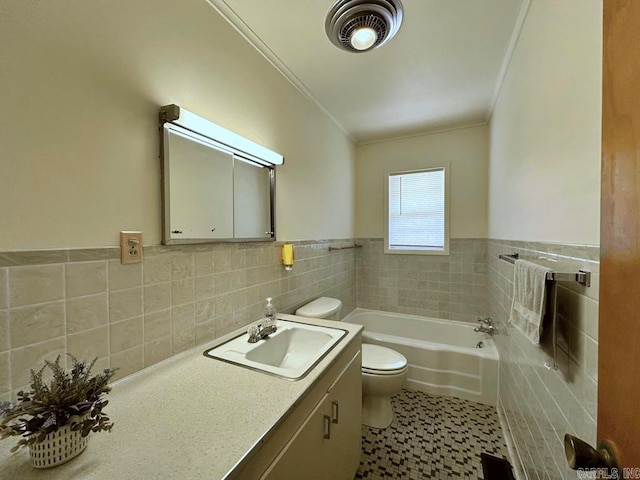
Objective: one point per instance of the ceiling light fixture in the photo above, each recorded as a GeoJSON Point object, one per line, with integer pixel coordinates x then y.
{"type": "Point", "coordinates": [361, 25]}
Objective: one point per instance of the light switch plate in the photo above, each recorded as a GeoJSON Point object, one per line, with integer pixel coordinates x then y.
{"type": "Point", "coordinates": [130, 247]}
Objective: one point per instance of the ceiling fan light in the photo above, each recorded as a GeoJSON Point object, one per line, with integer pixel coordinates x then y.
{"type": "Point", "coordinates": [363, 38]}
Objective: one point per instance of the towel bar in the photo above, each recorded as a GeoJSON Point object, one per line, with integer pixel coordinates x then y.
{"type": "Point", "coordinates": [583, 277]}
{"type": "Point", "coordinates": [345, 248]}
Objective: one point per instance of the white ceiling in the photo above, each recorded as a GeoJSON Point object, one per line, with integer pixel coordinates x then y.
{"type": "Point", "coordinates": [441, 70]}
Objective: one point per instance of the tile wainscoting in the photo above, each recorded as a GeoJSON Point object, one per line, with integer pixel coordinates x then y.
{"type": "Point", "coordinates": [539, 405]}
{"type": "Point", "coordinates": [86, 303]}
{"type": "Point", "coordinates": [450, 287]}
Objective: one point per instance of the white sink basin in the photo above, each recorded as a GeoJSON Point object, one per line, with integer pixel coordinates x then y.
{"type": "Point", "coordinates": [290, 352]}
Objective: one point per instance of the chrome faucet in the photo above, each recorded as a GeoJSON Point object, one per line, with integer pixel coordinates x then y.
{"type": "Point", "coordinates": [486, 326]}
{"type": "Point", "coordinates": [261, 330]}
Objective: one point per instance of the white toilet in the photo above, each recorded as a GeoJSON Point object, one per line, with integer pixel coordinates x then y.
{"type": "Point", "coordinates": [384, 371]}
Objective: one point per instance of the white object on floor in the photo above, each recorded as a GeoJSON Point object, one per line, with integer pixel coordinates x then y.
{"type": "Point", "coordinates": [527, 309]}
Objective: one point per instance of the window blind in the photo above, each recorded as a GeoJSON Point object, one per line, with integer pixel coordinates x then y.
{"type": "Point", "coordinates": [417, 210]}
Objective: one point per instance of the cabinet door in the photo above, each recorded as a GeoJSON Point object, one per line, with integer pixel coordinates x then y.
{"type": "Point", "coordinates": [328, 444]}
{"type": "Point", "coordinates": [306, 454]}
{"type": "Point", "coordinates": [345, 399]}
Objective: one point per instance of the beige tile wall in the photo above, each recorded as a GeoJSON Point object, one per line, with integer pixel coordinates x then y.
{"type": "Point", "coordinates": [441, 286]}
{"type": "Point", "coordinates": [541, 405]}
{"type": "Point", "coordinates": [131, 316]}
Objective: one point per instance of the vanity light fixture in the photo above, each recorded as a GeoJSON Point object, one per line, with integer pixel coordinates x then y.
{"type": "Point", "coordinates": [362, 25]}
{"type": "Point", "coordinates": [174, 115]}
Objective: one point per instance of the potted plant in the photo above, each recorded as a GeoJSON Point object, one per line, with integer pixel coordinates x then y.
{"type": "Point", "coordinates": [55, 420]}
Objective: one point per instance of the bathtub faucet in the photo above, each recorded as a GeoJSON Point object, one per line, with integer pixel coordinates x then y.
{"type": "Point", "coordinates": [486, 326]}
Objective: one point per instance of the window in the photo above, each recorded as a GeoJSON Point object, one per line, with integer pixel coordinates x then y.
{"type": "Point", "coordinates": [417, 216]}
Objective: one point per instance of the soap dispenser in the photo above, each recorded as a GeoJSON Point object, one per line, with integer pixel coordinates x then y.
{"type": "Point", "coordinates": [270, 311]}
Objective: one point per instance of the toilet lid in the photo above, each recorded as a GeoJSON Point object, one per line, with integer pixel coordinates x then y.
{"type": "Point", "coordinates": [381, 359]}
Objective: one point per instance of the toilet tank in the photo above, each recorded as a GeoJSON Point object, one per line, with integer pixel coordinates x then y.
{"type": "Point", "coordinates": [323, 307]}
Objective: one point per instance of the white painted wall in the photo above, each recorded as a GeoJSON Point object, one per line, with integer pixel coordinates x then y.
{"type": "Point", "coordinates": [466, 150]}
{"type": "Point", "coordinates": [544, 173]}
{"type": "Point", "coordinates": [81, 86]}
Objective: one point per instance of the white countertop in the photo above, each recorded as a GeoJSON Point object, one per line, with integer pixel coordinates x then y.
{"type": "Point", "coordinates": [188, 417]}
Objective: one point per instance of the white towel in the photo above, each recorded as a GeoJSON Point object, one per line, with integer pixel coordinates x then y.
{"type": "Point", "coordinates": [527, 309]}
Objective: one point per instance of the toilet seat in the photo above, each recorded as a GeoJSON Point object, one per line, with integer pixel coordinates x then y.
{"type": "Point", "coordinates": [378, 360]}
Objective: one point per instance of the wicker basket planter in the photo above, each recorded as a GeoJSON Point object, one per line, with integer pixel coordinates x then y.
{"type": "Point", "coordinates": [72, 398]}
{"type": "Point", "coordinates": [58, 447]}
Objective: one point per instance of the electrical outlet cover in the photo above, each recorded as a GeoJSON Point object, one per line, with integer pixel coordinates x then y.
{"type": "Point", "coordinates": [130, 247]}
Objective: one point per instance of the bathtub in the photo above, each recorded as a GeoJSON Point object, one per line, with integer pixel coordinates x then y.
{"type": "Point", "coordinates": [442, 354]}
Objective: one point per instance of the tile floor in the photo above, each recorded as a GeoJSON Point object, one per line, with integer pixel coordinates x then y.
{"type": "Point", "coordinates": [431, 437]}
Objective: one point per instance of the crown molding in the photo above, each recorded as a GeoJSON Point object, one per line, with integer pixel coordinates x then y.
{"type": "Point", "coordinates": [508, 55]}
{"type": "Point", "coordinates": [424, 133]}
{"type": "Point", "coordinates": [254, 40]}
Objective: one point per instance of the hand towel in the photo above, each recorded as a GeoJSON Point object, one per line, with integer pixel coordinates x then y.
{"type": "Point", "coordinates": [527, 309]}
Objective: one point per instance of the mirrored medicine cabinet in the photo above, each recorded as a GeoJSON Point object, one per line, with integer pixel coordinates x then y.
{"type": "Point", "coordinates": [217, 185]}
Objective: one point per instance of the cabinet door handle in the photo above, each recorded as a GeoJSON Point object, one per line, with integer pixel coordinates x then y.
{"type": "Point", "coordinates": [327, 426]}
{"type": "Point", "coordinates": [335, 409]}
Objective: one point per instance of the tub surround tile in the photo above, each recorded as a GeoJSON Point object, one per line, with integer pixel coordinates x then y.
{"type": "Point", "coordinates": [85, 278]}
{"type": "Point", "coordinates": [35, 284]}
{"type": "Point", "coordinates": [422, 284]}
{"type": "Point", "coordinates": [85, 313]}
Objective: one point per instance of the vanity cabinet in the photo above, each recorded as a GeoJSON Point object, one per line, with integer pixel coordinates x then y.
{"type": "Point", "coordinates": [320, 437]}
{"type": "Point", "coordinates": [328, 444]}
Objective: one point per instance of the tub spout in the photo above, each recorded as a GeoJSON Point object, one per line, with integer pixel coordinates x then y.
{"type": "Point", "coordinates": [486, 326]}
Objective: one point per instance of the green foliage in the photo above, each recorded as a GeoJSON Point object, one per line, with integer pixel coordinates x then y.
{"type": "Point", "coordinates": [73, 397]}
